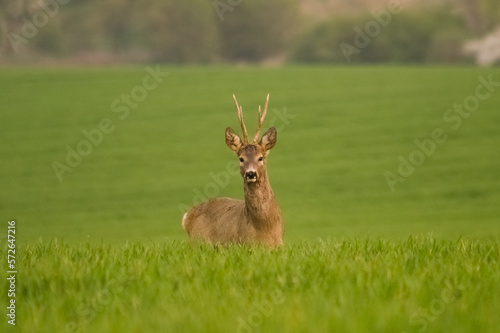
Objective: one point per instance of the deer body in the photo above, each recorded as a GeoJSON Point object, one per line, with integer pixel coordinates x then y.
{"type": "Point", "coordinates": [257, 219]}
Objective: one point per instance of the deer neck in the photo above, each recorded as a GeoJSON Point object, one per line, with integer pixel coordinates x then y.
{"type": "Point", "coordinates": [260, 203]}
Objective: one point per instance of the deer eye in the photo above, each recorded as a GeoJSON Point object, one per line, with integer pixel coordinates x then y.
{"type": "Point", "coordinates": [260, 159]}
{"type": "Point", "coordinates": [241, 159]}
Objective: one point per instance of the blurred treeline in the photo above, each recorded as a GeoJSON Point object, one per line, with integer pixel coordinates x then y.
{"type": "Point", "coordinates": [212, 31]}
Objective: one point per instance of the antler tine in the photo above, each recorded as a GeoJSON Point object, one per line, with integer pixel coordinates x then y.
{"type": "Point", "coordinates": [261, 120]}
{"type": "Point", "coordinates": [242, 120]}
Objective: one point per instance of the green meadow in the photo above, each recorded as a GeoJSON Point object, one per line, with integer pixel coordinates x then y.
{"type": "Point", "coordinates": [421, 284]}
{"type": "Point", "coordinates": [387, 178]}
{"type": "Point", "coordinates": [339, 131]}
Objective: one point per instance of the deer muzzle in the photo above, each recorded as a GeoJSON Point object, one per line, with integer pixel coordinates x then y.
{"type": "Point", "coordinates": [251, 176]}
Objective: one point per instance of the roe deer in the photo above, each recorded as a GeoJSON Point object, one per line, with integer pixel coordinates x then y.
{"type": "Point", "coordinates": [258, 218]}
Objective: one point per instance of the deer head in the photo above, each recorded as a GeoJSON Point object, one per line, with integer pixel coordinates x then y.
{"type": "Point", "coordinates": [253, 155]}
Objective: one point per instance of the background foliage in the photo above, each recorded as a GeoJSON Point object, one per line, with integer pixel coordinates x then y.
{"type": "Point", "coordinates": [206, 31]}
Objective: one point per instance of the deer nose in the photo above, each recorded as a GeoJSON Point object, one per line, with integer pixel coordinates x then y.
{"type": "Point", "coordinates": [251, 175]}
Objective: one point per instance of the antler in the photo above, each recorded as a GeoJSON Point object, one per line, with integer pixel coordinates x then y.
{"type": "Point", "coordinates": [261, 120]}
{"type": "Point", "coordinates": [242, 121]}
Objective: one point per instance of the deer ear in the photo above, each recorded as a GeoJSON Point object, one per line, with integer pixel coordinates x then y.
{"type": "Point", "coordinates": [269, 139]}
{"type": "Point", "coordinates": [233, 141]}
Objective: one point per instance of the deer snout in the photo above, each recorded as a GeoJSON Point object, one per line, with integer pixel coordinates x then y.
{"type": "Point", "coordinates": [251, 176]}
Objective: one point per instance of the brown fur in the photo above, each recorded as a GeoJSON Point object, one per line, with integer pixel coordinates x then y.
{"type": "Point", "coordinates": [255, 220]}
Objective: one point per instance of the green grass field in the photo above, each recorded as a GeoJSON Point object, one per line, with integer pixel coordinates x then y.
{"type": "Point", "coordinates": [354, 285]}
{"type": "Point", "coordinates": [358, 256]}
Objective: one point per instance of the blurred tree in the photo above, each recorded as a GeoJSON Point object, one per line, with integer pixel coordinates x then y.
{"type": "Point", "coordinates": [180, 31]}
{"type": "Point", "coordinates": [82, 27]}
{"type": "Point", "coordinates": [257, 29]}
{"type": "Point", "coordinates": [118, 22]}
{"type": "Point", "coordinates": [446, 47]}
{"type": "Point", "coordinates": [410, 37]}
{"type": "Point", "coordinates": [322, 42]}
{"type": "Point", "coordinates": [482, 16]}
{"type": "Point", "coordinates": [13, 14]}
{"type": "Point", "coordinates": [202, 31]}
